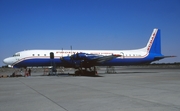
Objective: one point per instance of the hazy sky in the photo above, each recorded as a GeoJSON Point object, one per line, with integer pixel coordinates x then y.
{"type": "Point", "coordinates": [88, 24]}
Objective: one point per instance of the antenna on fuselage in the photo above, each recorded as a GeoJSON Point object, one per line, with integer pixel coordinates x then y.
{"type": "Point", "coordinates": [62, 52]}
{"type": "Point", "coordinates": [71, 49]}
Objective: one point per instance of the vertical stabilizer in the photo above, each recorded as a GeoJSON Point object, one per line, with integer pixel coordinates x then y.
{"type": "Point", "coordinates": [154, 43]}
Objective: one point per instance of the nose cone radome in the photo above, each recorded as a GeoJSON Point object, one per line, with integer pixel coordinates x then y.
{"type": "Point", "coordinates": [8, 61]}
{"type": "Point", "coordinates": [5, 61]}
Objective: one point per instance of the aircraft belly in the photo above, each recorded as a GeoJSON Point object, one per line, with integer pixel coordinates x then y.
{"type": "Point", "coordinates": [126, 61]}
{"type": "Point", "coordinates": [37, 62]}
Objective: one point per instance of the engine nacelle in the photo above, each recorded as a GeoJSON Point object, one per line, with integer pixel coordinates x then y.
{"type": "Point", "coordinates": [79, 56]}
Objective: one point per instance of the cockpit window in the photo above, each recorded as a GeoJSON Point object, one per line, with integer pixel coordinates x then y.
{"type": "Point", "coordinates": [17, 54]}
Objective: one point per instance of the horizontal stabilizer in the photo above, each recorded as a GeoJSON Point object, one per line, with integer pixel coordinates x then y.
{"type": "Point", "coordinates": [162, 57]}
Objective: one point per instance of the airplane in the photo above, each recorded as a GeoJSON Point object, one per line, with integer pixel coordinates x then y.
{"type": "Point", "coordinates": [80, 59]}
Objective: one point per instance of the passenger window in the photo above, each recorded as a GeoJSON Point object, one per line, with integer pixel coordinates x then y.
{"type": "Point", "coordinates": [33, 55]}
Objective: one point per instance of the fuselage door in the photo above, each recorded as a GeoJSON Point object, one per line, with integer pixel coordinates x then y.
{"type": "Point", "coordinates": [122, 55]}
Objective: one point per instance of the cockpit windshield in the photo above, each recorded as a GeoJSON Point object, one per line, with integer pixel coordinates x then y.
{"type": "Point", "coordinates": [15, 55]}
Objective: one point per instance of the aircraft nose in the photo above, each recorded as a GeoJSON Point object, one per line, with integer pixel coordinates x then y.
{"type": "Point", "coordinates": [8, 61]}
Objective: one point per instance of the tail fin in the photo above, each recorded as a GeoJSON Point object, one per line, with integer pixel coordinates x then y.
{"type": "Point", "coordinates": [154, 43]}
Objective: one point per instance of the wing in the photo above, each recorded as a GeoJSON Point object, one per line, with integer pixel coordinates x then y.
{"type": "Point", "coordinates": [101, 58]}
{"type": "Point", "coordinates": [85, 60]}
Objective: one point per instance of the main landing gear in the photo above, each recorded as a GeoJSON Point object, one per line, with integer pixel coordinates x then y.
{"type": "Point", "coordinates": [85, 72]}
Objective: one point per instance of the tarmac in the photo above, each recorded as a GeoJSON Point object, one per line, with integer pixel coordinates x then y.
{"type": "Point", "coordinates": [129, 89]}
